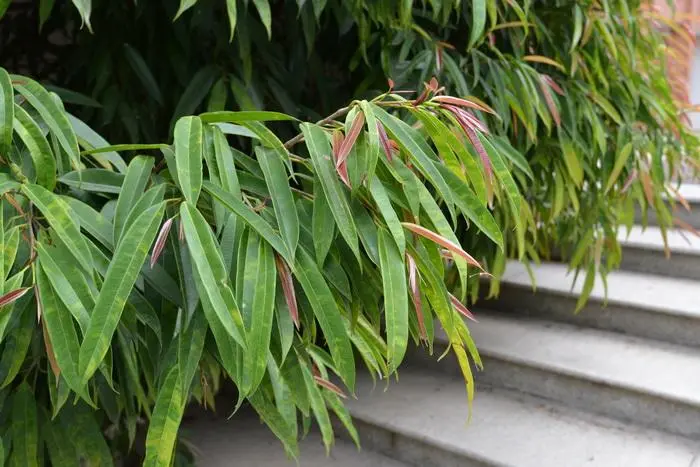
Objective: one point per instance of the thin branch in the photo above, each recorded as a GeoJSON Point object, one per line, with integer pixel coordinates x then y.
{"type": "Point", "coordinates": [300, 137]}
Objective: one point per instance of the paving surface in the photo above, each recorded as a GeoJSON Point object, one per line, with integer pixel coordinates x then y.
{"type": "Point", "coordinates": [244, 441]}
{"type": "Point", "coordinates": [507, 431]}
{"type": "Point", "coordinates": [677, 296]}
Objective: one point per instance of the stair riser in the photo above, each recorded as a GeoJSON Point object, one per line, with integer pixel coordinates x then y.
{"type": "Point", "coordinates": [597, 397]}
{"type": "Point", "coordinates": [574, 391]}
{"type": "Point", "coordinates": [409, 449]}
{"type": "Point", "coordinates": [655, 262]}
{"type": "Point", "coordinates": [673, 328]}
{"type": "Point", "coordinates": [692, 217]}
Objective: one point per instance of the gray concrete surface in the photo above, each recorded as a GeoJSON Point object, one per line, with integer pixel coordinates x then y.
{"type": "Point", "coordinates": [691, 192]}
{"type": "Point", "coordinates": [244, 441]}
{"type": "Point", "coordinates": [653, 384]}
{"type": "Point", "coordinates": [643, 251]}
{"type": "Point", "coordinates": [423, 421]}
{"type": "Point", "coordinates": [657, 307]}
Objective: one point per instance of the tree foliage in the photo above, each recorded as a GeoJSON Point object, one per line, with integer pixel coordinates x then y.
{"type": "Point", "coordinates": [133, 287]}
{"type": "Point", "coordinates": [245, 242]}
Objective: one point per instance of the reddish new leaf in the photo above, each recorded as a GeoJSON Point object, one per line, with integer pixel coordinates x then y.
{"type": "Point", "coordinates": [463, 103]}
{"type": "Point", "coordinates": [350, 138]}
{"type": "Point", "coordinates": [459, 306]}
{"type": "Point", "coordinates": [384, 140]}
{"type": "Point", "coordinates": [544, 86]}
{"type": "Point", "coordinates": [288, 289]}
{"type": "Point", "coordinates": [49, 351]}
{"type": "Point", "coordinates": [330, 386]}
{"type": "Point", "coordinates": [553, 84]}
{"type": "Point", "coordinates": [160, 241]}
{"type": "Point", "coordinates": [646, 185]}
{"type": "Point", "coordinates": [632, 177]}
{"type": "Point", "coordinates": [415, 295]}
{"type": "Point", "coordinates": [442, 241]}
{"type": "Point", "coordinates": [13, 296]}
{"type": "Point", "coordinates": [336, 144]}
{"type": "Point", "coordinates": [466, 119]}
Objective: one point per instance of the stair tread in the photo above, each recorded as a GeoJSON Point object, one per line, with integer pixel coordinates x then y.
{"type": "Point", "coordinates": [679, 242]}
{"type": "Point", "coordinates": [507, 428]}
{"type": "Point", "coordinates": [632, 363]}
{"type": "Point", "coordinates": [243, 440]}
{"type": "Point", "coordinates": [645, 291]}
{"type": "Point", "coordinates": [690, 191]}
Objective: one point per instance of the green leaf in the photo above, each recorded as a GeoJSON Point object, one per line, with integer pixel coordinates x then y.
{"type": "Point", "coordinates": [278, 425]}
{"type": "Point", "coordinates": [61, 449]}
{"type": "Point", "coordinates": [189, 349]}
{"type": "Point", "coordinates": [318, 407]}
{"type": "Point", "coordinates": [573, 165]}
{"type": "Point", "coordinates": [38, 147]}
{"type": "Point", "coordinates": [52, 113]}
{"type": "Point", "coordinates": [478, 21]}
{"type": "Point", "coordinates": [184, 6]}
{"type": "Point", "coordinates": [232, 16]}
{"type": "Point", "coordinates": [84, 7]}
{"type": "Point", "coordinates": [209, 267]}
{"type": "Point", "coordinates": [281, 194]}
{"type": "Point", "coordinates": [24, 429]}
{"type": "Point", "coordinates": [58, 215]}
{"type": "Point", "coordinates": [126, 147]}
{"type": "Point", "coordinates": [620, 162]}
{"type": "Point", "coordinates": [59, 324]}
{"type": "Point", "coordinates": [17, 344]}
{"type": "Point", "coordinates": [323, 226]}
{"type": "Point", "coordinates": [263, 7]}
{"type": "Point", "coordinates": [418, 150]}
{"type": "Point", "coordinates": [62, 280]}
{"type": "Point", "coordinates": [6, 111]}
{"type": "Point", "coordinates": [470, 206]}
{"type": "Point", "coordinates": [72, 97]}
{"type": "Point", "coordinates": [119, 280]}
{"type": "Point", "coordinates": [327, 314]}
{"type": "Point", "coordinates": [319, 149]}
{"type": "Point", "coordinates": [260, 312]}
{"type": "Point", "coordinates": [97, 180]}
{"type": "Point", "coordinates": [135, 181]}
{"type": "Point", "coordinates": [195, 92]}
{"type": "Point", "coordinates": [165, 422]}
{"type": "Point", "coordinates": [607, 107]}
{"type": "Point", "coordinates": [388, 213]}
{"type": "Point", "coordinates": [269, 140]}
{"type": "Point", "coordinates": [188, 156]}
{"type": "Point", "coordinates": [92, 221]}
{"type": "Point", "coordinates": [143, 73]}
{"type": "Point", "coordinates": [395, 299]}
{"type": "Point", "coordinates": [80, 426]}
{"type": "Point", "coordinates": [587, 288]}
{"type": "Point", "coordinates": [256, 222]}
{"type": "Point", "coordinates": [244, 116]}
{"type": "Point", "coordinates": [90, 139]}
{"type": "Point", "coordinates": [225, 164]}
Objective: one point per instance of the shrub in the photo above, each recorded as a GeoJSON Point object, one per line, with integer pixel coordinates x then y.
{"type": "Point", "coordinates": [272, 269]}
{"type": "Point", "coordinates": [566, 102]}
{"type": "Point", "coordinates": [579, 88]}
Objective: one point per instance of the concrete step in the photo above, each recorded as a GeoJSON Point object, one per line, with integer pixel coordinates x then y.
{"type": "Point", "coordinates": [643, 251]}
{"type": "Point", "coordinates": [245, 441]}
{"type": "Point", "coordinates": [422, 420]}
{"type": "Point", "coordinates": [691, 193]}
{"type": "Point", "coordinates": [632, 379]}
{"type": "Point", "coordinates": [657, 307]}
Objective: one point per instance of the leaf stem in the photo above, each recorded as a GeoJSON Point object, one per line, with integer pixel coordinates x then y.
{"type": "Point", "coordinates": [300, 137]}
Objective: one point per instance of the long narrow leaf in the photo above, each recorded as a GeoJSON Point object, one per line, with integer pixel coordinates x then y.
{"type": "Point", "coordinates": [395, 299]}
{"type": "Point", "coordinates": [121, 275]}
